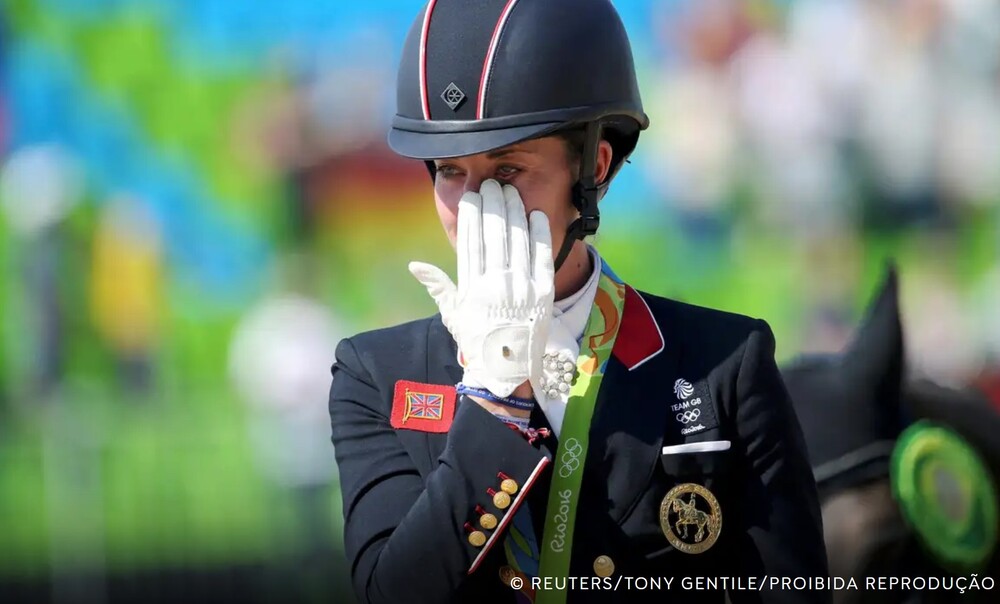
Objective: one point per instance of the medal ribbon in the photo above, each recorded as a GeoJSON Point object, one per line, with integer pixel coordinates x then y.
{"type": "Point", "coordinates": [567, 474]}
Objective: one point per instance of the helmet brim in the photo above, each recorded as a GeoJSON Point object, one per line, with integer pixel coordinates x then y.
{"type": "Point", "coordinates": [443, 145]}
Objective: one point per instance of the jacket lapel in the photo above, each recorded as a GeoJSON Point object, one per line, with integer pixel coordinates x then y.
{"type": "Point", "coordinates": [626, 434]}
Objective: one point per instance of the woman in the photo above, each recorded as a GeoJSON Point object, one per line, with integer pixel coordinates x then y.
{"type": "Point", "coordinates": [551, 421]}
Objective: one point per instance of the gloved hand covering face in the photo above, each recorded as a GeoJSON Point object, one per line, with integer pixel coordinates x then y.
{"type": "Point", "coordinates": [499, 313]}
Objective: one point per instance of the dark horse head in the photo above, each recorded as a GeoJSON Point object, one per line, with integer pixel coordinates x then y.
{"type": "Point", "coordinates": [853, 406]}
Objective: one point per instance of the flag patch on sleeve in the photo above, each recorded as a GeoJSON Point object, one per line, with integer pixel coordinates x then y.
{"type": "Point", "coordinates": [422, 407]}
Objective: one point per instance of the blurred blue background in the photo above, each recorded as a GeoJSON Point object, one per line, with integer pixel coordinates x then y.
{"type": "Point", "coordinates": [197, 203]}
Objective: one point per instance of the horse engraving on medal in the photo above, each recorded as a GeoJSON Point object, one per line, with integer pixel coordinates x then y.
{"type": "Point", "coordinates": [691, 518]}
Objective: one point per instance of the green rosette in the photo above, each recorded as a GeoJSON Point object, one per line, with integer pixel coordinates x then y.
{"type": "Point", "coordinates": [946, 494]}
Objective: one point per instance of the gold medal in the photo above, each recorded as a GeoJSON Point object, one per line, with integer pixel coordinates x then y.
{"type": "Point", "coordinates": [691, 518]}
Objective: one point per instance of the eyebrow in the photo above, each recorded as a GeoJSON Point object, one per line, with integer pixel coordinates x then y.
{"type": "Point", "coordinates": [507, 151]}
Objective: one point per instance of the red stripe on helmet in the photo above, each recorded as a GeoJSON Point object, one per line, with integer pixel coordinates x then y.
{"type": "Point", "coordinates": [490, 53]}
{"type": "Point", "coordinates": [424, 99]}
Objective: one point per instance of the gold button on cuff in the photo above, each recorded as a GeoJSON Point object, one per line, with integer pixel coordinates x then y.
{"type": "Point", "coordinates": [477, 538]}
{"type": "Point", "coordinates": [501, 500]}
{"type": "Point", "coordinates": [488, 521]}
{"type": "Point", "coordinates": [604, 566]}
{"type": "Point", "coordinates": [508, 486]}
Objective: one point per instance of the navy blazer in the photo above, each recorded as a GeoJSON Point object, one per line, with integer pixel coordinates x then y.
{"type": "Point", "coordinates": [408, 493]}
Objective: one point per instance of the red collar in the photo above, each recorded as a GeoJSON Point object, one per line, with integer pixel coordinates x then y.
{"type": "Point", "coordinates": [639, 337]}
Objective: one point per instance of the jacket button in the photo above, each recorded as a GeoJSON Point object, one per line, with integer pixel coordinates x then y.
{"type": "Point", "coordinates": [477, 538]}
{"type": "Point", "coordinates": [604, 566]}
{"type": "Point", "coordinates": [500, 499]}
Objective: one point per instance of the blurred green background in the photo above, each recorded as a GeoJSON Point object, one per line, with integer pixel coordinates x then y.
{"type": "Point", "coordinates": [196, 204]}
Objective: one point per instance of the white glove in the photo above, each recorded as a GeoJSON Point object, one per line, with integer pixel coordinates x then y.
{"type": "Point", "coordinates": [500, 312]}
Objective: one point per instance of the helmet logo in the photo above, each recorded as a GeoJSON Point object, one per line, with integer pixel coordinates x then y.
{"type": "Point", "coordinates": [453, 96]}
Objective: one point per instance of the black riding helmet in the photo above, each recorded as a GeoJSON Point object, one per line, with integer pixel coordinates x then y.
{"type": "Point", "coordinates": [478, 76]}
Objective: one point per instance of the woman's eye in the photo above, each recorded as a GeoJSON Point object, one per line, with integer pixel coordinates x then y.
{"type": "Point", "coordinates": [447, 171]}
{"type": "Point", "coordinates": [507, 171]}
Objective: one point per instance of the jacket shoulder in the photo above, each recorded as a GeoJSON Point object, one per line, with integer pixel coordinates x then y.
{"type": "Point", "coordinates": [701, 327]}
{"type": "Point", "coordinates": [395, 337]}
{"type": "Point", "coordinates": [703, 315]}
{"type": "Point", "coordinates": [379, 351]}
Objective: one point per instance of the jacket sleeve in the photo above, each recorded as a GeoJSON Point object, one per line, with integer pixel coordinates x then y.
{"type": "Point", "coordinates": [784, 531]}
{"type": "Point", "coordinates": [404, 534]}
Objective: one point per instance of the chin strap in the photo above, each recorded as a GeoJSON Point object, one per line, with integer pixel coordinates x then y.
{"type": "Point", "coordinates": [586, 193]}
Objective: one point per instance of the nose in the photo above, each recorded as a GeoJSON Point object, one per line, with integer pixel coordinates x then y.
{"type": "Point", "coordinates": [473, 181]}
